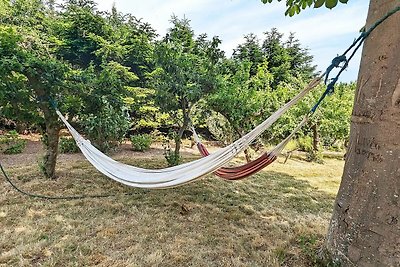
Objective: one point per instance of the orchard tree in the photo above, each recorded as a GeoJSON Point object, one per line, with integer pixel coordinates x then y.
{"type": "Point", "coordinates": [364, 229]}
{"type": "Point", "coordinates": [185, 73]}
{"type": "Point", "coordinates": [30, 73]}
{"type": "Point", "coordinates": [67, 54]}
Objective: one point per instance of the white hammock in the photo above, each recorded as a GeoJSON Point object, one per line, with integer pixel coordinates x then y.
{"type": "Point", "coordinates": [181, 174]}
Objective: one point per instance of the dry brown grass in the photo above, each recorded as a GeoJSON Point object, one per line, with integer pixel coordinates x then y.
{"type": "Point", "coordinates": [275, 218]}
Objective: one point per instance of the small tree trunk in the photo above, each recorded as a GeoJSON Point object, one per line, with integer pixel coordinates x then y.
{"type": "Point", "coordinates": [315, 137]}
{"type": "Point", "coordinates": [240, 133]}
{"type": "Point", "coordinates": [365, 225]}
{"type": "Point", "coordinates": [178, 141]}
{"type": "Point", "coordinates": [247, 155]}
{"type": "Point", "coordinates": [185, 124]}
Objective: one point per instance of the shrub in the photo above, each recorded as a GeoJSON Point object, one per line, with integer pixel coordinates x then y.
{"type": "Point", "coordinates": [315, 156]}
{"type": "Point", "coordinates": [68, 145]}
{"type": "Point", "coordinates": [107, 129]}
{"type": "Point", "coordinates": [171, 157]}
{"type": "Point", "coordinates": [10, 143]}
{"type": "Point", "coordinates": [305, 143]}
{"type": "Point", "coordinates": [141, 142]}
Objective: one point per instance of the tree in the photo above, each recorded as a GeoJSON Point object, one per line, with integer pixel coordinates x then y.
{"type": "Point", "coordinates": [243, 96]}
{"type": "Point", "coordinates": [365, 221]}
{"type": "Point", "coordinates": [364, 229]}
{"type": "Point", "coordinates": [30, 72]}
{"type": "Point", "coordinates": [185, 73]}
{"type": "Point", "coordinates": [68, 54]}
{"type": "Point", "coordinates": [250, 51]}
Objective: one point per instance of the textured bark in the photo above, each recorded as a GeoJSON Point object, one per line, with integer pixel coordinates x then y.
{"type": "Point", "coordinates": [365, 226]}
{"type": "Point", "coordinates": [51, 132]}
{"type": "Point", "coordinates": [50, 157]}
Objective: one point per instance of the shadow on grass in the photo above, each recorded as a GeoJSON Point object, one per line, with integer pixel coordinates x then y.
{"type": "Point", "coordinates": [268, 219]}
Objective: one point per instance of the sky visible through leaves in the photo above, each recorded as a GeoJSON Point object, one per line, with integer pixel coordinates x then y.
{"type": "Point", "coordinates": [325, 32]}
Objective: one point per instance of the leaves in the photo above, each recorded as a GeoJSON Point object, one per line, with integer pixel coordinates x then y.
{"type": "Point", "coordinates": [295, 6]}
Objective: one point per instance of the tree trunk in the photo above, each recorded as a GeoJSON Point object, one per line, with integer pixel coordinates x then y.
{"type": "Point", "coordinates": [51, 131]}
{"type": "Point", "coordinates": [51, 143]}
{"type": "Point", "coordinates": [178, 141]}
{"type": "Point", "coordinates": [240, 133]}
{"type": "Point", "coordinates": [365, 226]}
{"type": "Point", "coordinates": [185, 124]}
{"type": "Point", "coordinates": [315, 137]}
{"type": "Point", "coordinates": [247, 155]}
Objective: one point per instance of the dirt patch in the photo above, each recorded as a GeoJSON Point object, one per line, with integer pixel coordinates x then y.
{"type": "Point", "coordinates": [34, 151]}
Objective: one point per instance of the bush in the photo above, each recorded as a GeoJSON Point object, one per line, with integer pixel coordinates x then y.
{"type": "Point", "coordinates": [305, 143]}
{"type": "Point", "coordinates": [10, 143]}
{"type": "Point", "coordinates": [107, 129]}
{"type": "Point", "coordinates": [141, 142]}
{"type": "Point", "coordinates": [68, 145]}
{"type": "Point", "coordinates": [172, 158]}
{"type": "Point", "coordinates": [315, 156]}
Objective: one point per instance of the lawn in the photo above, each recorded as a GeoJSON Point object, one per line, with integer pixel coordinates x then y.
{"type": "Point", "coordinates": [277, 217]}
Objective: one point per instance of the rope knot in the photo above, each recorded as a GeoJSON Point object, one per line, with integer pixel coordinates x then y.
{"type": "Point", "coordinates": [335, 64]}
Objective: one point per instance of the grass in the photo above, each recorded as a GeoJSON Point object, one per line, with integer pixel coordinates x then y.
{"type": "Point", "coordinates": [277, 217]}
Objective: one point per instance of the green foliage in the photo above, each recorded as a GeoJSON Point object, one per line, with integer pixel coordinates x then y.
{"type": "Point", "coordinates": [295, 6]}
{"type": "Point", "coordinates": [315, 156]}
{"type": "Point", "coordinates": [141, 142]}
{"type": "Point", "coordinates": [97, 64]}
{"type": "Point", "coordinates": [68, 145]}
{"type": "Point", "coordinates": [107, 128]}
{"type": "Point", "coordinates": [185, 72]}
{"type": "Point", "coordinates": [144, 112]}
{"type": "Point", "coordinates": [305, 144]}
{"type": "Point", "coordinates": [10, 143]}
{"type": "Point", "coordinates": [335, 115]}
{"type": "Point", "coordinates": [170, 155]}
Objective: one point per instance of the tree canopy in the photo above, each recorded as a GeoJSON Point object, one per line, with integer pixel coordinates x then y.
{"type": "Point", "coordinates": [112, 76]}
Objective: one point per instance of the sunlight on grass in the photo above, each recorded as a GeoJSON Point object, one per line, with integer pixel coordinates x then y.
{"type": "Point", "coordinates": [277, 217]}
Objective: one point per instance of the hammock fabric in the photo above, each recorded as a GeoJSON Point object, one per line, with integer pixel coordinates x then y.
{"type": "Point", "coordinates": [240, 172]}
{"type": "Point", "coordinates": [252, 167]}
{"type": "Point", "coordinates": [181, 174]}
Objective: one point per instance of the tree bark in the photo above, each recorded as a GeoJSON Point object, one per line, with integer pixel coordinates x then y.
{"type": "Point", "coordinates": [315, 137]}
{"type": "Point", "coordinates": [365, 226]}
{"type": "Point", "coordinates": [185, 124]}
{"type": "Point", "coordinates": [51, 143]}
{"type": "Point", "coordinates": [51, 131]}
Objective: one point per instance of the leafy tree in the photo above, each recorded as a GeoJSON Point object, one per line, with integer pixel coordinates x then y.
{"type": "Point", "coordinates": [241, 97]}
{"type": "Point", "coordinates": [334, 115]}
{"type": "Point", "coordinates": [258, 80]}
{"type": "Point", "coordinates": [300, 60]}
{"type": "Point", "coordinates": [250, 51]}
{"type": "Point", "coordinates": [286, 58]}
{"type": "Point", "coordinates": [66, 54]}
{"type": "Point", "coordinates": [30, 72]}
{"type": "Point", "coordinates": [185, 73]}
{"type": "Point", "coordinates": [80, 28]}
